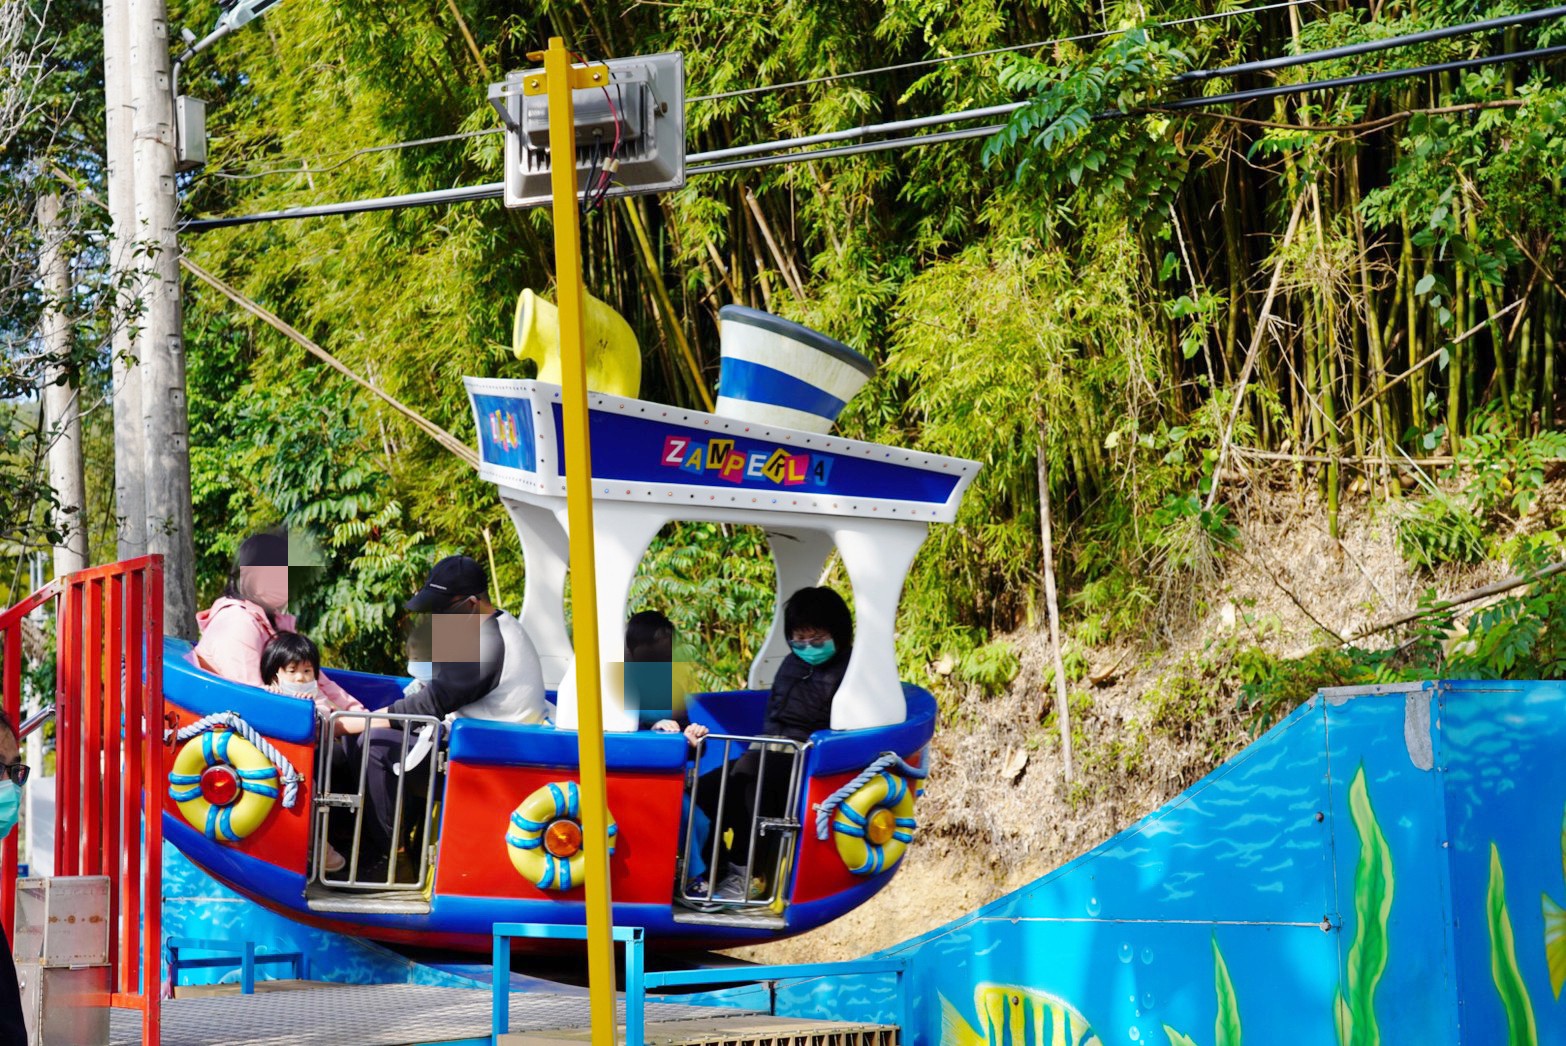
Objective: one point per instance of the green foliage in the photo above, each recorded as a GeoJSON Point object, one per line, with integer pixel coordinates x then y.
{"type": "Point", "coordinates": [1441, 528]}
{"type": "Point", "coordinates": [1270, 687]}
{"type": "Point", "coordinates": [1367, 957]}
{"type": "Point", "coordinates": [1523, 635]}
{"type": "Point", "coordinates": [990, 667]}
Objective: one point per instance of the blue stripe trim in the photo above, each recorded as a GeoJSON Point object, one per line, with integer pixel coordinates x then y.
{"type": "Point", "coordinates": [212, 814]}
{"type": "Point", "coordinates": [565, 875]}
{"type": "Point", "coordinates": [269, 773]}
{"type": "Point", "coordinates": [184, 779]}
{"type": "Point", "coordinates": [206, 749]}
{"type": "Point", "coordinates": [223, 738]}
{"type": "Point", "coordinates": [573, 801]}
{"type": "Point", "coordinates": [523, 843]}
{"type": "Point", "coordinates": [181, 795]}
{"type": "Point", "coordinates": [756, 383]}
{"type": "Point", "coordinates": [847, 829]}
{"type": "Point", "coordinates": [903, 837]}
{"type": "Point", "coordinates": [259, 789]}
{"type": "Point", "coordinates": [851, 814]}
{"type": "Point", "coordinates": [906, 822]}
{"type": "Point", "coordinates": [523, 823]}
{"type": "Point", "coordinates": [559, 799]}
{"type": "Point", "coordinates": [226, 825]}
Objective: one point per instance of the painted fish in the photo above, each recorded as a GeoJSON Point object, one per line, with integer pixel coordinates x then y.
{"type": "Point", "coordinates": [1004, 1012]}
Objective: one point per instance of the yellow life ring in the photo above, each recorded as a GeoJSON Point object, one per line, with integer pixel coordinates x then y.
{"type": "Point", "coordinates": [873, 827]}
{"type": "Point", "coordinates": [544, 841]}
{"type": "Point", "coordinates": [224, 785]}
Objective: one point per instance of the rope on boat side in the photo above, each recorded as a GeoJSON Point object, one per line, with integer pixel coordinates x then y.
{"type": "Point", "coordinates": [887, 759]}
{"type": "Point", "coordinates": [232, 721]}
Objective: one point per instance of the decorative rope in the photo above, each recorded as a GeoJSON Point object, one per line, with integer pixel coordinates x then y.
{"type": "Point", "coordinates": [232, 721]}
{"type": "Point", "coordinates": [830, 803]}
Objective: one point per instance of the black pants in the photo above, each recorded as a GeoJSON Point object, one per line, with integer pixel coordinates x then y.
{"type": "Point", "coordinates": [750, 779]}
{"type": "Point", "coordinates": [381, 834]}
{"type": "Point", "coordinates": [13, 1031]}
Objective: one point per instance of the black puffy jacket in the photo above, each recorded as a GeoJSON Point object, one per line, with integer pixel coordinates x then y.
{"type": "Point", "coordinates": [801, 699]}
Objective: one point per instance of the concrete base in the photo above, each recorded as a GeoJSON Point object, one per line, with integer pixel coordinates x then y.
{"type": "Point", "coordinates": [726, 1030]}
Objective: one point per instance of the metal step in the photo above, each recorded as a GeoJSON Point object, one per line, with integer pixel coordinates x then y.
{"type": "Point", "coordinates": [384, 902]}
{"type": "Point", "coordinates": [755, 918]}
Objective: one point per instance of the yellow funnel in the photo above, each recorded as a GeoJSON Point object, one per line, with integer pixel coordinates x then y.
{"type": "Point", "coordinates": [614, 358]}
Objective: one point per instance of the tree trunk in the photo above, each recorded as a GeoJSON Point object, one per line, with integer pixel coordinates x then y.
{"type": "Point", "coordinates": [62, 402]}
{"type": "Point", "coordinates": [1052, 605]}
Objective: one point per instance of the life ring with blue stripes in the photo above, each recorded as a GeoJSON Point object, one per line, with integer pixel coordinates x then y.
{"type": "Point", "coordinates": [223, 785]}
{"type": "Point", "coordinates": [545, 841]}
{"type": "Point", "coordinates": [873, 827]}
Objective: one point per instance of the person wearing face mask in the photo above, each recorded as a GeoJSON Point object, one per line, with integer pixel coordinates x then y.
{"type": "Point", "coordinates": [483, 666]}
{"type": "Point", "coordinates": [13, 1028]}
{"type": "Point", "coordinates": [252, 610]}
{"type": "Point", "coordinates": [291, 666]}
{"type": "Point", "coordinates": [820, 634]}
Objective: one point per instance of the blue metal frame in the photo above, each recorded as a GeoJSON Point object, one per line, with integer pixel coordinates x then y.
{"type": "Point", "coordinates": [246, 956]}
{"type": "Point", "coordinates": [638, 982]}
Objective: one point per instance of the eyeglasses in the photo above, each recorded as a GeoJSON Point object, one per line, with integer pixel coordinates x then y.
{"type": "Point", "coordinates": [17, 772]}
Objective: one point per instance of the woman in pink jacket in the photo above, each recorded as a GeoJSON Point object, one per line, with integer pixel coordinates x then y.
{"type": "Point", "coordinates": [235, 630]}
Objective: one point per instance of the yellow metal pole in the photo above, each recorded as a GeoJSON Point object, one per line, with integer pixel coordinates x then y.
{"type": "Point", "coordinates": [560, 80]}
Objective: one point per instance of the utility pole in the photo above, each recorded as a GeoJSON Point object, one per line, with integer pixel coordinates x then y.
{"type": "Point", "coordinates": [130, 481]}
{"type": "Point", "coordinates": [160, 343]}
{"type": "Point", "coordinates": [62, 401]}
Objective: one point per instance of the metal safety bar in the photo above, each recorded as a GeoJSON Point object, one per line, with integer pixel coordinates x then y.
{"type": "Point", "coordinates": [786, 826]}
{"type": "Point", "coordinates": [419, 750]}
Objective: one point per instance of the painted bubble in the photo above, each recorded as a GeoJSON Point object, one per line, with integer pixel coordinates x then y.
{"type": "Point", "coordinates": [1148, 1000]}
{"type": "Point", "coordinates": [1136, 1033]}
{"type": "Point", "coordinates": [1127, 953]}
{"type": "Point", "coordinates": [1147, 956]}
{"type": "Point", "coordinates": [1093, 907]}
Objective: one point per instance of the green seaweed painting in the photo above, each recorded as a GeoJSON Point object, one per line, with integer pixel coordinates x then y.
{"type": "Point", "coordinates": [1555, 929]}
{"type": "Point", "coordinates": [1367, 957]}
{"type": "Point", "coordinates": [1004, 1013]}
{"type": "Point", "coordinates": [1520, 1027]}
{"type": "Point", "coordinates": [1226, 1028]}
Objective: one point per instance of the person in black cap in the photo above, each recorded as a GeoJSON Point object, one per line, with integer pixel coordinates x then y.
{"type": "Point", "coordinates": [484, 666]}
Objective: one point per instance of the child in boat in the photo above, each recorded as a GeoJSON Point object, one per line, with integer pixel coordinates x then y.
{"type": "Point", "coordinates": [820, 634]}
{"type": "Point", "coordinates": [291, 665]}
{"type": "Point", "coordinates": [649, 640]}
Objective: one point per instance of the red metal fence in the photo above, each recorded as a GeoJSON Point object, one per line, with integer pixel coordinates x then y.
{"type": "Point", "coordinates": [109, 754]}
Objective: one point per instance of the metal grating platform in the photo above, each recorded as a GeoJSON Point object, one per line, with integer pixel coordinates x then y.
{"type": "Point", "coordinates": [365, 1015]}
{"type": "Point", "coordinates": [709, 1030]}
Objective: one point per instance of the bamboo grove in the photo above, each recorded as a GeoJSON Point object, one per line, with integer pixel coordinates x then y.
{"type": "Point", "coordinates": [1145, 312]}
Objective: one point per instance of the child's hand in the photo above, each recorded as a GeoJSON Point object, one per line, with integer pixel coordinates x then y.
{"type": "Point", "coordinates": [666, 726]}
{"type": "Point", "coordinates": [350, 725]}
{"type": "Point", "coordinates": [694, 733]}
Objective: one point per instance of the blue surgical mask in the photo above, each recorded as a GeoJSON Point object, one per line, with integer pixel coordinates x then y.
{"type": "Point", "coordinates": [814, 653]}
{"type": "Point", "coordinates": [423, 671]}
{"type": "Point", "coordinates": [10, 807]}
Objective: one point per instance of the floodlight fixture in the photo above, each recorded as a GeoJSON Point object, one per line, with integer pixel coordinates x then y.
{"type": "Point", "coordinates": [630, 133]}
{"type": "Point", "coordinates": [237, 13]}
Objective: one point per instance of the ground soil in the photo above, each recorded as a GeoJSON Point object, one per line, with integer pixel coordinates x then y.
{"type": "Point", "coordinates": [997, 814]}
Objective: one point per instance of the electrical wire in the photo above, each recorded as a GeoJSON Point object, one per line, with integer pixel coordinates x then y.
{"type": "Point", "coordinates": [494, 190]}
{"type": "Point", "coordinates": [856, 74]}
{"type": "Point", "coordinates": [1035, 45]}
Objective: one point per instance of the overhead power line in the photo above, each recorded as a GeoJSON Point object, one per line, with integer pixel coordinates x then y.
{"type": "Point", "coordinates": [298, 168]}
{"type": "Point", "coordinates": [1368, 46]}
{"type": "Point", "coordinates": [1035, 45]}
{"type": "Point", "coordinates": [716, 162]}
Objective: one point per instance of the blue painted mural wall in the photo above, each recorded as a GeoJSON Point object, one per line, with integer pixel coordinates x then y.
{"type": "Point", "coordinates": [1382, 866]}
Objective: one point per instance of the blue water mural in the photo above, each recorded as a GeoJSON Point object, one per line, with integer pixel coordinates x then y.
{"type": "Point", "coordinates": [197, 905]}
{"type": "Point", "coordinates": [1385, 865]}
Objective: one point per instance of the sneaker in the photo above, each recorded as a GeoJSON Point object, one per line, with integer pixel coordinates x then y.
{"type": "Point", "coordinates": [335, 862]}
{"type": "Point", "coordinates": [731, 887]}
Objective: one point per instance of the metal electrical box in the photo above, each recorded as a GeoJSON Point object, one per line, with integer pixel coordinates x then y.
{"type": "Point", "coordinates": [190, 127]}
{"type": "Point", "coordinates": [633, 128]}
{"type": "Point", "coordinates": [61, 945]}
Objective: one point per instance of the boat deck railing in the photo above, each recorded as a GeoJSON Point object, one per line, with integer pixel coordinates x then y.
{"type": "Point", "coordinates": [409, 747]}
{"type": "Point", "coordinates": [773, 812]}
